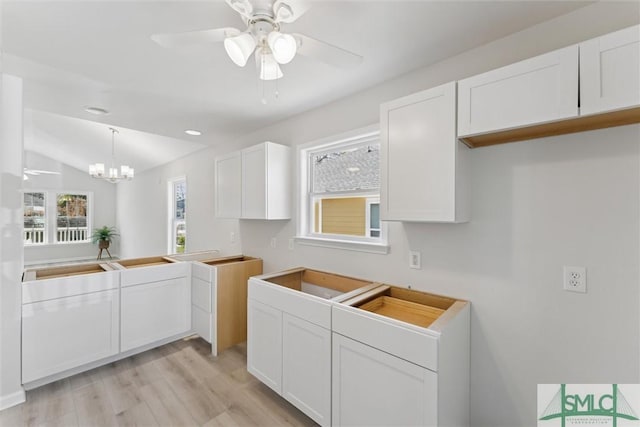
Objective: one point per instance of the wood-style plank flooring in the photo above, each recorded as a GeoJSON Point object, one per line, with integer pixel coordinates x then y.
{"type": "Point", "coordinates": [179, 384]}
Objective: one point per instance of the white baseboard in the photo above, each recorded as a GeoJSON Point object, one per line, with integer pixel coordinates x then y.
{"type": "Point", "coordinates": [12, 399]}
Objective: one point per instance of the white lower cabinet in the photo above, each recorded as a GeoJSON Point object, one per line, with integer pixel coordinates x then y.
{"type": "Point", "coordinates": [264, 344]}
{"type": "Point", "coordinates": [374, 388]}
{"type": "Point", "coordinates": [153, 311]}
{"type": "Point", "coordinates": [306, 345]}
{"type": "Point", "coordinates": [63, 333]}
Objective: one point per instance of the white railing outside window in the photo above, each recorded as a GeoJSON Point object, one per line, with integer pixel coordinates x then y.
{"type": "Point", "coordinates": [76, 234]}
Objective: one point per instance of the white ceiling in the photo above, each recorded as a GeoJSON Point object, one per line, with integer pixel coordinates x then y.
{"type": "Point", "coordinates": [78, 53]}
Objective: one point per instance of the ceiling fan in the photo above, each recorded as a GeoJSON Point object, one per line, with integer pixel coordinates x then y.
{"type": "Point", "coordinates": [263, 36]}
{"type": "Point", "coordinates": [35, 172]}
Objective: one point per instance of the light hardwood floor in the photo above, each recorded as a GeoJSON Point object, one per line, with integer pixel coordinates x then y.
{"type": "Point", "coordinates": [179, 384]}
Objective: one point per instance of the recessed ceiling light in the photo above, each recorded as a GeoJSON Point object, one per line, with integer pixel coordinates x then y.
{"type": "Point", "coordinates": [193, 132]}
{"type": "Point", "coordinates": [95, 110]}
{"type": "Point", "coordinates": [353, 169]}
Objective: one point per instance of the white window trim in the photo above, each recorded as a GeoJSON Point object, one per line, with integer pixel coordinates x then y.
{"type": "Point", "coordinates": [54, 218]}
{"type": "Point", "coordinates": [51, 217]}
{"type": "Point", "coordinates": [46, 219]}
{"type": "Point", "coordinates": [171, 222]}
{"type": "Point", "coordinates": [368, 230]}
{"type": "Point", "coordinates": [305, 235]}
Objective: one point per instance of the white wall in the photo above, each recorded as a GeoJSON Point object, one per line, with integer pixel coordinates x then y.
{"type": "Point", "coordinates": [11, 392]}
{"type": "Point", "coordinates": [70, 179]}
{"type": "Point", "coordinates": [537, 205]}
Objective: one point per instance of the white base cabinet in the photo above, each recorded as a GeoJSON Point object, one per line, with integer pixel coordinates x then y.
{"type": "Point", "coordinates": [63, 333]}
{"type": "Point", "coordinates": [156, 300]}
{"type": "Point", "coordinates": [68, 320]}
{"type": "Point", "coordinates": [219, 299]}
{"type": "Point", "coordinates": [306, 367]}
{"type": "Point", "coordinates": [153, 311]}
{"type": "Point", "coordinates": [289, 335]}
{"type": "Point", "coordinates": [374, 388]}
{"type": "Point", "coordinates": [264, 344]}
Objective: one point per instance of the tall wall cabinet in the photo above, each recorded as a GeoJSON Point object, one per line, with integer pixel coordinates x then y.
{"type": "Point", "coordinates": [423, 165]}
{"type": "Point", "coordinates": [254, 183]}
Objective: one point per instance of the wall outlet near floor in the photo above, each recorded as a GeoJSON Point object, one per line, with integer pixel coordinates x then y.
{"type": "Point", "coordinates": [274, 242]}
{"type": "Point", "coordinates": [414, 260]}
{"type": "Point", "coordinates": [232, 237]}
{"type": "Point", "coordinates": [290, 244]}
{"type": "Point", "coordinates": [575, 279]}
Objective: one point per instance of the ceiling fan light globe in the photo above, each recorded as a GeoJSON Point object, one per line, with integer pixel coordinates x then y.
{"type": "Point", "coordinates": [240, 48]}
{"type": "Point", "coordinates": [268, 67]}
{"type": "Point", "coordinates": [283, 46]}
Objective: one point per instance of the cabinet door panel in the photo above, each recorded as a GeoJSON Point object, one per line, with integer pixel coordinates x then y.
{"type": "Point", "coordinates": [154, 311]}
{"type": "Point", "coordinates": [254, 186]}
{"type": "Point", "coordinates": [418, 156]}
{"type": "Point", "coordinates": [264, 344]}
{"type": "Point", "coordinates": [228, 186]}
{"type": "Point", "coordinates": [373, 388]}
{"type": "Point", "coordinates": [306, 368]}
{"type": "Point", "coordinates": [610, 72]}
{"type": "Point", "coordinates": [68, 332]}
{"type": "Point", "coordinates": [533, 91]}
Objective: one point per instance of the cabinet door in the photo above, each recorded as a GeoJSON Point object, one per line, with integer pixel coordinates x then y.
{"type": "Point", "coordinates": [254, 185]}
{"type": "Point", "coordinates": [154, 311]}
{"type": "Point", "coordinates": [64, 333]}
{"type": "Point", "coordinates": [264, 344]}
{"type": "Point", "coordinates": [306, 368]}
{"type": "Point", "coordinates": [374, 388]}
{"type": "Point", "coordinates": [228, 186]}
{"type": "Point", "coordinates": [537, 90]}
{"type": "Point", "coordinates": [610, 72]}
{"type": "Point", "coordinates": [419, 157]}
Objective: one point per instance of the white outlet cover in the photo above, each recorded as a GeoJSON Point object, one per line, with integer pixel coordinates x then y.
{"type": "Point", "coordinates": [414, 260]}
{"type": "Point", "coordinates": [575, 279]}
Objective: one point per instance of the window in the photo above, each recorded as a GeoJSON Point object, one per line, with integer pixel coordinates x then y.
{"type": "Point", "coordinates": [341, 193]}
{"type": "Point", "coordinates": [177, 215]}
{"type": "Point", "coordinates": [71, 218]}
{"type": "Point", "coordinates": [35, 225]}
{"type": "Point", "coordinates": [51, 217]}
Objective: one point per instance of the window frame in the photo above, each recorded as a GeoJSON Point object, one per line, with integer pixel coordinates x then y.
{"type": "Point", "coordinates": [305, 230]}
{"type": "Point", "coordinates": [172, 222]}
{"type": "Point", "coordinates": [45, 237]}
{"type": "Point", "coordinates": [51, 217]}
{"type": "Point", "coordinates": [54, 220]}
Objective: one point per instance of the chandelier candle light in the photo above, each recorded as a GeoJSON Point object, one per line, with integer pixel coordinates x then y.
{"type": "Point", "coordinates": [97, 170]}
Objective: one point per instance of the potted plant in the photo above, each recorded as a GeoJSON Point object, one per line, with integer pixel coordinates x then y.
{"type": "Point", "coordinates": [103, 237]}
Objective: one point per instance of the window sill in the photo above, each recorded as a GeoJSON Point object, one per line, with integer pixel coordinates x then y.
{"type": "Point", "coordinates": [373, 248]}
{"type": "Point", "coordinates": [58, 244]}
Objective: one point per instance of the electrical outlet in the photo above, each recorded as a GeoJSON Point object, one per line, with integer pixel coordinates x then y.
{"type": "Point", "coordinates": [414, 260]}
{"type": "Point", "coordinates": [290, 244]}
{"type": "Point", "coordinates": [575, 279]}
{"type": "Point", "coordinates": [232, 237]}
{"type": "Point", "coordinates": [274, 242]}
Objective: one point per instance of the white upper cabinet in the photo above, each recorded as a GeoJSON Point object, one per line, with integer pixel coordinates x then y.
{"type": "Point", "coordinates": [533, 91]}
{"type": "Point", "coordinates": [422, 163]}
{"type": "Point", "coordinates": [254, 183]}
{"type": "Point", "coordinates": [266, 172]}
{"type": "Point", "coordinates": [228, 186]}
{"type": "Point", "coordinates": [610, 72]}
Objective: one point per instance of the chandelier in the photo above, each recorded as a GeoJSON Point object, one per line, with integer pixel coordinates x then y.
{"type": "Point", "coordinates": [97, 170]}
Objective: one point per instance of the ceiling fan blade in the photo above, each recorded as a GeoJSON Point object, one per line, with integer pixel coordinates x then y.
{"type": "Point", "coordinates": [288, 11]}
{"type": "Point", "coordinates": [243, 7]}
{"type": "Point", "coordinates": [36, 172]}
{"type": "Point", "coordinates": [326, 52]}
{"type": "Point", "coordinates": [189, 38]}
